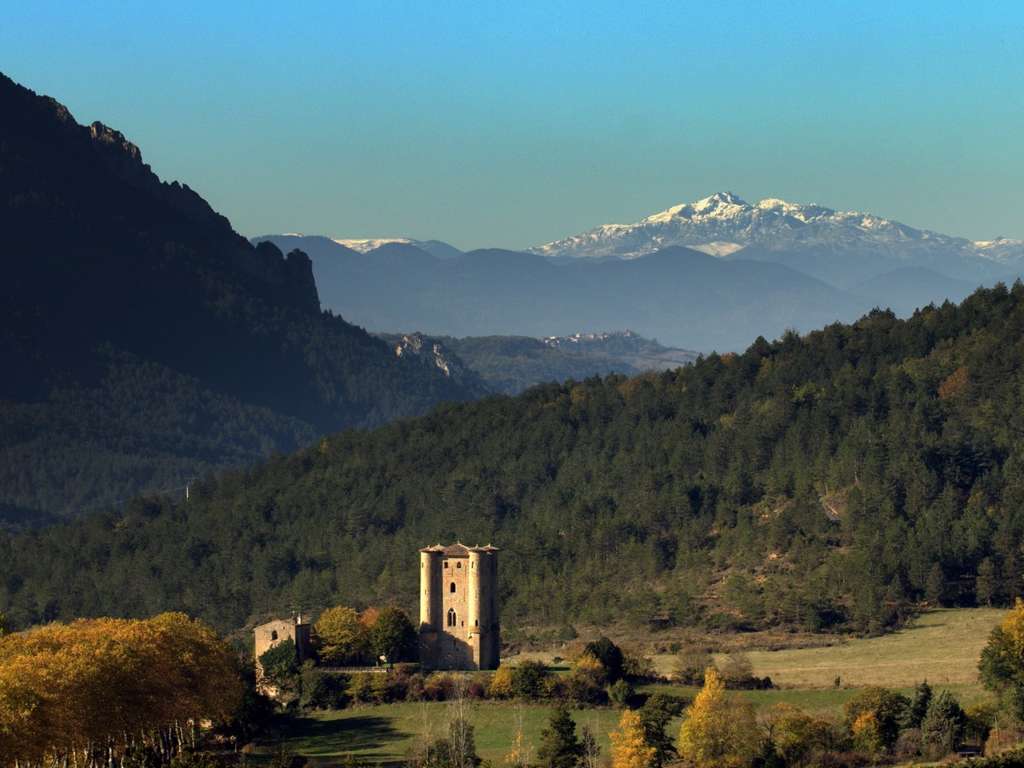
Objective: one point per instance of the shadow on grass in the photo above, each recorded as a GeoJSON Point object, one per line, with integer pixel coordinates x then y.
{"type": "Point", "coordinates": [321, 738]}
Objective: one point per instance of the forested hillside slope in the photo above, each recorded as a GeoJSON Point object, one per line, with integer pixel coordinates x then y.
{"type": "Point", "coordinates": [144, 341]}
{"type": "Point", "coordinates": [822, 480]}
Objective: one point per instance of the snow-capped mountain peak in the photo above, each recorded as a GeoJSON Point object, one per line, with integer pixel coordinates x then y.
{"type": "Point", "coordinates": [723, 223]}
{"type": "Point", "coordinates": [717, 206]}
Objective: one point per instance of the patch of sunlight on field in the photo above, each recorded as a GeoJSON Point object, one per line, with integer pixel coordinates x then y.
{"type": "Point", "coordinates": [941, 646]}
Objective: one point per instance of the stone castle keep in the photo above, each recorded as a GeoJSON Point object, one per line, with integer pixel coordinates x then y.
{"type": "Point", "coordinates": [459, 626]}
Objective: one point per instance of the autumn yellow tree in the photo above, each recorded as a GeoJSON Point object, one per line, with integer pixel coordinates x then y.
{"type": "Point", "coordinates": [719, 731]}
{"type": "Point", "coordinates": [70, 693]}
{"type": "Point", "coordinates": [501, 683]}
{"type": "Point", "coordinates": [344, 639]}
{"type": "Point", "coordinates": [629, 748]}
{"type": "Point", "coordinates": [796, 735]}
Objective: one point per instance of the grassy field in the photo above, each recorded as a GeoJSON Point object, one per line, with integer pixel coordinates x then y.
{"type": "Point", "coordinates": [940, 646]}
{"type": "Point", "coordinates": [386, 733]}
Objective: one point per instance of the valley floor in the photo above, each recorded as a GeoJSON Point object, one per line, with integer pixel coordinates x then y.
{"type": "Point", "coordinates": [941, 646]}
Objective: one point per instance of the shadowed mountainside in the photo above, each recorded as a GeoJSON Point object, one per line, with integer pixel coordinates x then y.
{"type": "Point", "coordinates": [125, 297]}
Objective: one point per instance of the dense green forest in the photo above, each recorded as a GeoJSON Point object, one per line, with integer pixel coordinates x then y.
{"type": "Point", "coordinates": [145, 341]}
{"type": "Point", "coordinates": [822, 480]}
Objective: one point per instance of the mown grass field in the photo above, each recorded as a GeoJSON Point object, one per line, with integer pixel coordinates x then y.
{"type": "Point", "coordinates": [941, 646]}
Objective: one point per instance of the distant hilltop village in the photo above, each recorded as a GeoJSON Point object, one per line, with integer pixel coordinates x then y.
{"type": "Point", "coordinates": [459, 626]}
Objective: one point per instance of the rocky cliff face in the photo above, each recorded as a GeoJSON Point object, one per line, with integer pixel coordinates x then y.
{"type": "Point", "coordinates": [433, 353]}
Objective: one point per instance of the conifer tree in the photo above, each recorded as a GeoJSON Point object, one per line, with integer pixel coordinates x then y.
{"type": "Point", "coordinates": [918, 705]}
{"type": "Point", "coordinates": [655, 715]}
{"type": "Point", "coordinates": [935, 588]}
{"type": "Point", "coordinates": [987, 582]}
{"type": "Point", "coordinates": [559, 746]}
{"type": "Point", "coordinates": [942, 729]}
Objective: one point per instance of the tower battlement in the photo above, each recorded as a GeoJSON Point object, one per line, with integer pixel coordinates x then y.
{"type": "Point", "coordinates": [459, 626]}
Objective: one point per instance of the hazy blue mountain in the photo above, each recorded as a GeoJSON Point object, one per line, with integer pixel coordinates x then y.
{"type": "Point", "coordinates": [904, 290]}
{"type": "Point", "coordinates": [438, 249]}
{"type": "Point", "coordinates": [682, 297]}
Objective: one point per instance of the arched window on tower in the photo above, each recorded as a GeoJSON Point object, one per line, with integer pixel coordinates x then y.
{"type": "Point", "coordinates": [451, 617]}
{"type": "Point", "coordinates": [452, 588]}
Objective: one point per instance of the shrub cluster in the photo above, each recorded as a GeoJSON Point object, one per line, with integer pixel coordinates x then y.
{"type": "Point", "coordinates": [735, 669]}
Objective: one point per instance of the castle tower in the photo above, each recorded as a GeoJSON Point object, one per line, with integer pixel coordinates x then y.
{"type": "Point", "coordinates": [430, 589]}
{"type": "Point", "coordinates": [459, 626]}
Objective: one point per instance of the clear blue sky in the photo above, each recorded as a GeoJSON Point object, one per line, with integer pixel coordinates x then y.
{"type": "Point", "coordinates": [512, 124]}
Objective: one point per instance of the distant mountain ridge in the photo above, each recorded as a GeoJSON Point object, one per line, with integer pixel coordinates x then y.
{"type": "Point", "coordinates": [436, 248]}
{"type": "Point", "coordinates": [773, 230]}
{"type": "Point", "coordinates": [511, 364]}
{"type": "Point", "coordinates": [709, 275]}
{"type": "Point", "coordinates": [682, 297]}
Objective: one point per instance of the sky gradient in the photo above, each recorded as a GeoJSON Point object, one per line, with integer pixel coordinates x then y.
{"type": "Point", "coordinates": [489, 126]}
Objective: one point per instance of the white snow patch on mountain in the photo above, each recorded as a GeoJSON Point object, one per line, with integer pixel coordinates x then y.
{"type": "Point", "coordinates": [367, 244]}
{"type": "Point", "coordinates": [723, 223]}
{"type": "Point", "coordinates": [717, 248]}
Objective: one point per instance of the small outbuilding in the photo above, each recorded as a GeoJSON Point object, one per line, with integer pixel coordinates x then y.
{"type": "Point", "coordinates": [268, 635]}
